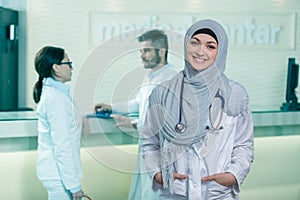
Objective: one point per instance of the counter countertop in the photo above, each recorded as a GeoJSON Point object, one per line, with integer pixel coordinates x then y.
{"type": "Point", "coordinates": [24, 124]}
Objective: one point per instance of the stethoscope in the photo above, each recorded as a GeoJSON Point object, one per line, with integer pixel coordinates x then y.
{"type": "Point", "coordinates": [180, 127]}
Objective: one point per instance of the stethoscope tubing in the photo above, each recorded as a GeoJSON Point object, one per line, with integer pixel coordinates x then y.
{"type": "Point", "coordinates": [180, 127]}
{"type": "Point", "coordinates": [180, 100]}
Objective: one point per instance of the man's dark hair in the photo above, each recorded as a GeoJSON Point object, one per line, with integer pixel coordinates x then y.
{"type": "Point", "coordinates": [158, 39]}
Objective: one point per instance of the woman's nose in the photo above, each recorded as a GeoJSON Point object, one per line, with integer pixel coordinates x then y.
{"type": "Point", "coordinates": [200, 49]}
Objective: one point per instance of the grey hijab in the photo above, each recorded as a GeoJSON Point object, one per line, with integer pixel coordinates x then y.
{"type": "Point", "coordinates": [200, 88]}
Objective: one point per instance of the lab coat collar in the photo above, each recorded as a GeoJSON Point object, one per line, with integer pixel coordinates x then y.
{"type": "Point", "coordinates": [57, 85]}
{"type": "Point", "coordinates": [152, 74]}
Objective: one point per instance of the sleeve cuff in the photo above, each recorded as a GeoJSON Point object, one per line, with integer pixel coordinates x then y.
{"type": "Point", "coordinates": [155, 186]}
{"type": "Point", "coordinates": [76, 189]}
{"type": "Point", "coordinates": [236, 187]}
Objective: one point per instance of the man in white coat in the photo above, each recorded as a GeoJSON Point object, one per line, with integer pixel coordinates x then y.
{"type": "Point", "coordinates": [154, 54]}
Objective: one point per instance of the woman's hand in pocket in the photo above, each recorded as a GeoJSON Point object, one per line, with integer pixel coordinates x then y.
{"type": "Point", "coordinates": [226, 179]}
{"type": "Point", "coordinates": [158, 177]}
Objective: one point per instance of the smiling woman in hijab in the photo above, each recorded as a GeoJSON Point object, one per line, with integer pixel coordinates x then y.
{"type": "Point", "coordinates": [198, 134]}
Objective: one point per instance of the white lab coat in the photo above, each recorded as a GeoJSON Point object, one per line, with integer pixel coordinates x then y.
{"type": "Point", "coordinates": [59, 127]}
{"type": "Point", "coordinates": [141, 182]}
{"type": "Point", "coordinates": [227, 150]}
{"type": "Point", "coordinates": [140, 102]}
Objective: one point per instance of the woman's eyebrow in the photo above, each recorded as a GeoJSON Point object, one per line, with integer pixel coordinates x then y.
{"type": "Point", "coordinates": [195, 39]}
{"type": "Point", "coordinates": [209, 42]}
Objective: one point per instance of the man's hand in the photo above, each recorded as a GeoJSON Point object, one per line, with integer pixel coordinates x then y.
{"type": "Point", "coordinates": [102, 107]}
{"type": "Point", "coordinates": [77, 195]}
{"type": "Point", "coordinates": [122, 121]}
{"type": "Point", "coordinates": [226, 179]}
{"type": "Point", "coordinates": [86, 126]}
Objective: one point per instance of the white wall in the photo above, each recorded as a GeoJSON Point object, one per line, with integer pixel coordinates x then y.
{"type": "Point", "coordinates": [69, 24]}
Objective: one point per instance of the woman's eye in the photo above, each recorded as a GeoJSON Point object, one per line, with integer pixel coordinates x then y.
{"type": "Point", "coordinates": [211, 47]}
{"type": "Point", "coordinates": [194, 43]}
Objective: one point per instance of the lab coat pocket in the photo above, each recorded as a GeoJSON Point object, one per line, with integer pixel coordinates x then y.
{"type": "Point", "coordinates": [218, 191]}
{"type": "Point", "coordinates": [180, 187]}
{"type": "Point", "coordinates": [227, 137]}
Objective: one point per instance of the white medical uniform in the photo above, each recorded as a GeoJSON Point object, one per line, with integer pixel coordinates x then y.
{"type": "Point", "coordinates": [227, 150]}
{"type": "Point", "coordinates": [59, 127]}
{"type": "Point", "coordinates": [141, 182]}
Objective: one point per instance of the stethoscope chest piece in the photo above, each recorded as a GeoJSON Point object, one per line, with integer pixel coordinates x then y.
{"type": "Point", "coordinates": [179, 127]}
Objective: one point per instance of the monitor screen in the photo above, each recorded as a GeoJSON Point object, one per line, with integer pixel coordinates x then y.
{"type": "Point", "coordinates": [291, 85]}
{"type": "Point", "coordinates": [292, 81]}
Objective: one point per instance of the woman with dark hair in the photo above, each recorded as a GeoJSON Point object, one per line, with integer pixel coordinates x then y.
{"type": "Point", "coordinates": [198, 133]}
{"type": "Point", "coordinates": [59, 126]}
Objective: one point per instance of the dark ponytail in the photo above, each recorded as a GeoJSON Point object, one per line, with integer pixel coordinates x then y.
{"type": "Point", "coordinates": [43, 62]}
{"type": "Point", "coordinates": [37, 90]}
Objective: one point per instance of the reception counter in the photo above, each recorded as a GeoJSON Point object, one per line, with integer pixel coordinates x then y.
{"type": "Point", "coordinates": [109, 155]}
{"type": "Point", "coordinates": [18, 130]}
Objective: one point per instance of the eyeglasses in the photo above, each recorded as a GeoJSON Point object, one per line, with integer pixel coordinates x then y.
{"type": "Point", "coordinates": [66, 63]}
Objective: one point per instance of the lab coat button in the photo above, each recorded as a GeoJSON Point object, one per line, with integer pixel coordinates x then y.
{"type": "Point", "coordinates": [197, 186]}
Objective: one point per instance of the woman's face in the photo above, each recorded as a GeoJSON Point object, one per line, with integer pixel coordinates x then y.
{"type": "Point", "coordinates": [202, 51]}
{"type": "Point", "coordinates": [63, 72]}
